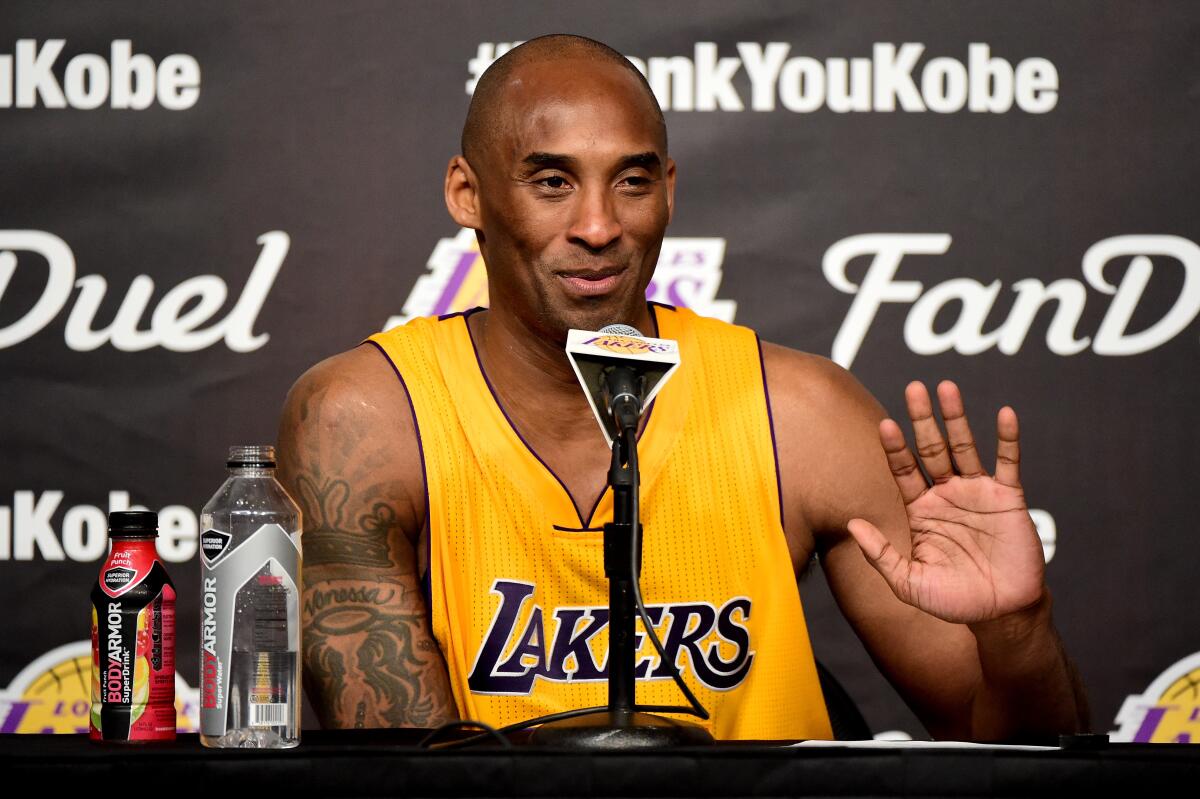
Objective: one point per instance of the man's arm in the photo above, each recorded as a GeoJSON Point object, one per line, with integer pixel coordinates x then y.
{"type": "Point", "coordinates": [974, 656]}
{"type": "Point", "coordinates": [348, 454]}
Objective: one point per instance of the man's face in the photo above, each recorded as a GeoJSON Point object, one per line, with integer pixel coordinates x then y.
{"type": "Point", "coordinates": [575, 194]}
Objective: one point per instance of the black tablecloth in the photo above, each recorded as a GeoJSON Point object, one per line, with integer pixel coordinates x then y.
{"type": "Point", "coordinates": [388, 763]}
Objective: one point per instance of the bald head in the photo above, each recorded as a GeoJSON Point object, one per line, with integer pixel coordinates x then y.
{"type": "Point", "coordinates": [484, 116]}
{"type": "Point", "coordinates": [565, 178]}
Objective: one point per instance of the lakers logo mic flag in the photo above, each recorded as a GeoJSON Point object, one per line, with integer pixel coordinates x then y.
{"type": "Point", "coordinates": [593, 354]}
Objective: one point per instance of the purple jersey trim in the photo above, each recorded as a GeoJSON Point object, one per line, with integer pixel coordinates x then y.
{"type": "Point", "coordinates": [654, 306]}
{"type": "Point", "coordinates": [446, 316]}
{"type": "Point", "coordinates": [426, 586]}
{"type": "Point", "coordinates": [771, 424]}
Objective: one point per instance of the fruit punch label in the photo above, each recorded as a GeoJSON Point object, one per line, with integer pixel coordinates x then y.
{"type": "Point", "coordinates": [133, 647]}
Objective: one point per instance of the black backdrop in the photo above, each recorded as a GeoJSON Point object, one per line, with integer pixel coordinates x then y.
{"type": "Point", "coordinates": [280, 188]}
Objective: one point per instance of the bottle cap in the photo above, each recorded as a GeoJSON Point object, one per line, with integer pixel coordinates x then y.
{"type": "Point", "coordinates": [260, 456]}
{"type": "Point", "coordinates": [133, 524]}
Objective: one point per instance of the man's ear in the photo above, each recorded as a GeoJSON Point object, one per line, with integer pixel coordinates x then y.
{"type": "Point", "coordinates": [670, 189]}
{"type": "Point", "coordinates": [462, 193]}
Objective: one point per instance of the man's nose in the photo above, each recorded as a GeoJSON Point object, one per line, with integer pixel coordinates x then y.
{"type": "Point", "coordinates": [595, 224]}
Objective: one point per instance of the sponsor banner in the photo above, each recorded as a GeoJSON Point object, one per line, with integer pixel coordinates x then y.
{"type": "Point", "coordinates": [972, 302]}
{"type": "Point", "coordinates": [120, 78]}
{"type": "Point", "coordinates": [895, 77]}
{"type": "Point", "coordinates": [176, 322]}
{"type": "Point", "coordinates": [921, 192]}
{"type": "Point", "coordinates": [28, 531]}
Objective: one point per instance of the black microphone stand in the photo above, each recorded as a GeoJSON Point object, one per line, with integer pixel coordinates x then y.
{"type": "Point", "coordinates": [622, 726]}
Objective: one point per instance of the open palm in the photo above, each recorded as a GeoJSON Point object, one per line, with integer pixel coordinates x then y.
{"type": "Point", "coordinates": [975, 552]}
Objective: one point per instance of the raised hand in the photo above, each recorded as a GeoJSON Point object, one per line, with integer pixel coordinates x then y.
{"type": "Point", "coordinates": [975, 552]}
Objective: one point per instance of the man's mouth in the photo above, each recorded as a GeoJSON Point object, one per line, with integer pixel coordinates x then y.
{"type": "Point", "coordinates": [592, 282]}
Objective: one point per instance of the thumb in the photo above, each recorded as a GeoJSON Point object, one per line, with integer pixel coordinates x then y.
{"type": "Point", "coordinates": [880, 553]}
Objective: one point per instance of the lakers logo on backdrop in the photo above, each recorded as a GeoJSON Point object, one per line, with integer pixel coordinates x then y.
{"type": "Point", "coordinates": [53, 695]}
{"type": "Point", "coordinates": [1168, 711]}
{"type": "Point", "coordinates": [687, 275]}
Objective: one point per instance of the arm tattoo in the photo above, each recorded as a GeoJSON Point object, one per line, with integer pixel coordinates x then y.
{"type": "Point", "coordinates": [373, 657]}
{"type": "Point", "coordinates": [390, 666]}
{"type": "Point", "coordinates": [327, 541]}
{"type": "Point", "coordinates": [370, 658]}
{"type": "Point", "coordinates": [368, 648]}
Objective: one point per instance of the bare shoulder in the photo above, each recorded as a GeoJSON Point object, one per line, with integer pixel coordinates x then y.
{"type": "Point", "coordinates": [349, 454]}
{"type": "Point", "coordinates": [347, 427]}
{"type": "Point", "coordinates": [345, 385]}
{"type": "Point", "coordinates": [826, 430]}
{"type": "Point", "coordinates": [802, 379]}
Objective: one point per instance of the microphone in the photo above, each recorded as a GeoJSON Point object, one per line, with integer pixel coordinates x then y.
{"type": "Point", "coordinates": [623, 386]}
{"type": "Point", "coordinates": [621, 371]}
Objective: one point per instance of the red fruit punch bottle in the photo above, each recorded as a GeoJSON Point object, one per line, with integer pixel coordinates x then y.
{"type": "Point", "coordinates": [133, 636]}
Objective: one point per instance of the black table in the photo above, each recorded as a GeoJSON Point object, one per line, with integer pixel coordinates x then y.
{"type": "Point", "coordinates": [388, 763]}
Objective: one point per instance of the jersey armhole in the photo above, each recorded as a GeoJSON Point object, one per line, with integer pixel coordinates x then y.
{"type": "Point", "coordinates": [425, 580]}
{"type": "Point", "coordinates": [762, 368]}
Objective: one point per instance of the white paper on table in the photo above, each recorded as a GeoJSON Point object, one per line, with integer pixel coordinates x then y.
{"type": "Point", "coordinates": [924, 745]}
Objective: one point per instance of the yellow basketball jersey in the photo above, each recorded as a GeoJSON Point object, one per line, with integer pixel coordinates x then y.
{"type": "Point", "coordinates": [517, 588]}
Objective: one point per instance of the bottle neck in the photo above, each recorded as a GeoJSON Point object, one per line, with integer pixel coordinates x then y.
{"type": "Point", "coordinates": [251, 471]}
{"type": "Point", "coordinates": [134, 544]}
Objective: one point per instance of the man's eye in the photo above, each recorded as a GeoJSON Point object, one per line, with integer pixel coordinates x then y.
{"type": "Point", "coordinates": [554, 182]}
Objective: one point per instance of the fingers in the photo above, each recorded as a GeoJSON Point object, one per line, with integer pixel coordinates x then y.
{"type": "Point", "coordinates": [940, 458]}
{"type": "Point", "coordinates": [880, 553]}
{"type": "Point", "coordinates": [900, 460]}
{"type": "Point", "coordinates": [931, 446]}
{"type": "Point", "coordinates": [1008, 448]}
{"type": "Point", "coordinates": [962, 443]}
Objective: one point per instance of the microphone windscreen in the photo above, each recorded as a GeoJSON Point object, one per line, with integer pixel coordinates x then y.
{"type": "Point", "coordinates": [621, 330]}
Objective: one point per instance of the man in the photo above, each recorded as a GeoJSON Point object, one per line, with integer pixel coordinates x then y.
{"type": "Point", "coordinates": [462, 452]}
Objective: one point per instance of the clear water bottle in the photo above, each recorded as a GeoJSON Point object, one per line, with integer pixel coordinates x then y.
{"type": "Point", "coordinates": [250, 609]}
